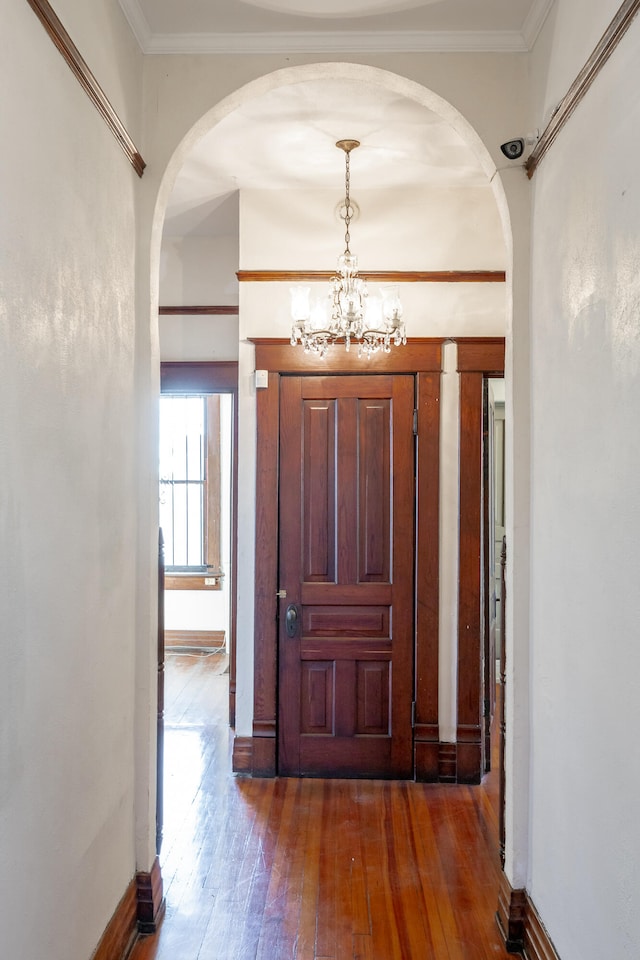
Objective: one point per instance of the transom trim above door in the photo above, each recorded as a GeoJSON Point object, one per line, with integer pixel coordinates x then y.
{"type": "Point", "coordinates": [278, 356]}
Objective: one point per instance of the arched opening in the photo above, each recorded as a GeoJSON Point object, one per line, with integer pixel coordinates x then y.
{"type": "Point", "coordinates": [262, 162]}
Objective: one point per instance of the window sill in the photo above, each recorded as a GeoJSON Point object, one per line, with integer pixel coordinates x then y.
{"type": "Point", "coordinates": [192, 581]}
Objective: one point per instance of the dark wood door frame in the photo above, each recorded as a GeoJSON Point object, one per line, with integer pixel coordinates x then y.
{"type": "Point", "coordinates": [215, 377]}
{"type": "Point", "coordinates": [421, 358]}
{"type": "Point", "coordinates": [488, 607]}
{"type": "Point", "coordinates": [160, 710]}
{"type": "Point", "coordinates": [477, 359]}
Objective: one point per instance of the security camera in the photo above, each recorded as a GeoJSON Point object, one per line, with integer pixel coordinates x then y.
{"type": "Point", "coordinates": [513, 149]}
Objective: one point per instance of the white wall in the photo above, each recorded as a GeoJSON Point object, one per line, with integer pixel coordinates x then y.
{"type": "Point", "coordinates": [446, 228]}
{"type": "Point", "coordinates": [449, 229]}
{"type": "Point", "coordinates": [195, 610]}
{"type": "Point", "coordinates": [199, 271]}
{"type": "Point", "coordinates": [189, 338]}
{"type": "Point", "coordinates": [68, 493]}
{"type": "Point", "coordinates": [584, 873]}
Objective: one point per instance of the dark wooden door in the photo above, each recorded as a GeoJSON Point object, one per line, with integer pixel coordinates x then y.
{"type": "Point", "coordinates": [346, 559]}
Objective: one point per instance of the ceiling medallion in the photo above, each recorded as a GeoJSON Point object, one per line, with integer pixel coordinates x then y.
{"type": "Point", "coordinates": [347, 9]}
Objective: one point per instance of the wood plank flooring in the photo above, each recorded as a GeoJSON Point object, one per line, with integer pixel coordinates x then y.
{"type": "Point", "coordinates": [290, 869]}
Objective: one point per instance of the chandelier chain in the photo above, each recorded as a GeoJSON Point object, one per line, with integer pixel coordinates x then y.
{"type": "Point", "coordinates": [347, 202]}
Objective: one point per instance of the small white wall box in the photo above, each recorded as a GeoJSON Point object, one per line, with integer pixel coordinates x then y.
{"type": "Point", "coordinates": [262, 379]}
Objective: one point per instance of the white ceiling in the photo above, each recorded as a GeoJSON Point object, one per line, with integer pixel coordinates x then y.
{"type": "Point", "coordinates": [289, 26]}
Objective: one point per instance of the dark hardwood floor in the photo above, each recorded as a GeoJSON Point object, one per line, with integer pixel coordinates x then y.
{"type": "Point", "coordinates": [313, 869]}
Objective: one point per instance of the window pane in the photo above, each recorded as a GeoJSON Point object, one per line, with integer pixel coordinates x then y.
{"type": "Point", "coordinates": [182, 477]}
{"type": "Point", "coordinates": [179, 524]}
{"type": "Point", "coordinates": [194, 448]}
{"type": "Point", "coordinates": [166, 520]}
{"type": "Point", "coordinates": [194, 524]}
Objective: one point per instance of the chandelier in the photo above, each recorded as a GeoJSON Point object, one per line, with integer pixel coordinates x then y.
{"type": "Point", "coordinates": [348, 313]}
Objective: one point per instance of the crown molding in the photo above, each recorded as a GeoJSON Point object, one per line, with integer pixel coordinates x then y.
{"type": "Point", "coordinates": [328, 42]}
{"type": "Point", "coordinates": [138, 23]}
{"type": "Point", "coordinates": [535, 21]}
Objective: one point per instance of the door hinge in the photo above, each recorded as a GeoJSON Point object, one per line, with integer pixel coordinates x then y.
{"type": "Point", "coordinates": [415, 423]}
{"type": "Point", "coordinates": [413, 713]}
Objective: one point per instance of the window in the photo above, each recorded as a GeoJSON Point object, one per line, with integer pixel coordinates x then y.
{"type": "Point", "coordinates": [190, 485]}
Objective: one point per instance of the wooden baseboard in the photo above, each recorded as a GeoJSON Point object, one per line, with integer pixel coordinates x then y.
{"type": "Point", "coordinates": [255, 756]}
{"type": "Point", "coordinates": [448, 763]}
{"type": "Point", "coordinates": [435, 762]}
{"type": "Point", "coordinates": [264, 757]}
{"type": "Point", "coordinates": [469, 755]}
{"type": "Point", "coordinates": [122, 929]}
{"type": "Point", "coordinates": [511, 915]}
{"type": "Point", "coordinates": [426, 760]}
{"type": "Point", "coordinates": [194, 638]}
{"type": "Point", "coordinates": [537, 942]}
{"type": "Point", "coordinates": [439, 762]}
{"type": "Point", "coordinates": [151, 903]}
{"type": "Point", "coordinates": [140, 911]}
{"type": "Point", "coordinates": [242, 759]}
{"type": "Point", "coordinates": [520, 924]}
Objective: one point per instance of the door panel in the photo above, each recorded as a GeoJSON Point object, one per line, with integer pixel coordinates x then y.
{"type": "Point", "coordinates": [375, 489]}
{"type": "Point", "coordinates": [319, 492]}
{"type": "Point", "coordinates": [346, 564]}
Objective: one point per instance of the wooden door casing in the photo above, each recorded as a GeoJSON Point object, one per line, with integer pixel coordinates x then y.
{"type": "Point", "coordinates": [488, 570]}
{"type": "Point", "coordinates": [477, 359]}
{"type": "Point", "coordinates": [207, 377]}
{"type": "Point", "coordinates": [346, 566]}
{"type": "Point", "coordinates": [422, 358]}
{"type": "Point", "coordinates": [460, 761]}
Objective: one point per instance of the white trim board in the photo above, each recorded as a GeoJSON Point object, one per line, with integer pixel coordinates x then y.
{"type": "Point", "coordinates": [450, 41]}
